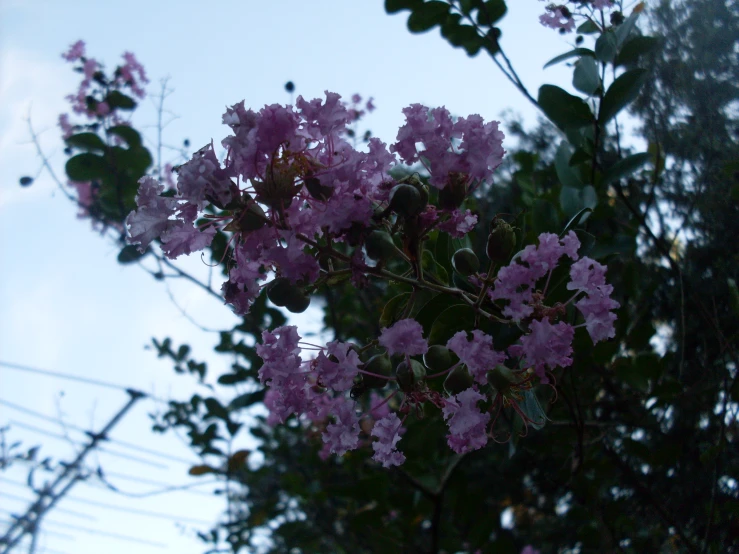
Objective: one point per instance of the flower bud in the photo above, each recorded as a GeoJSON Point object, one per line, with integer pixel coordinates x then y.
{"type": "Point", "coordinates": [409, 376]}
{"type": "Point", "coordinates": [439, 358]}
{"type": "Point", "coordinates": [379, 245]}
{"type": "Point", "coordinates": [380, 365]}
{"type": "Point", "coordinates": [465, 262]}
{"type": "Point", "coordinates": [501, 241]}
{"type": "Point", "coordinates": [459, 379]}
{"type": "Point", "coordinates": [501, 378]}
{"type": "Point", "coordinates": [406, 200]}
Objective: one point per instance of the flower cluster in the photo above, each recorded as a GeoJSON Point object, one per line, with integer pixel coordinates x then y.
{"type": "Point", "coordinates": [292, 185]}
{"type": "Point", "coordinates": [303, 205]}
{"type": "Point", "coordinates": [562, 18]}
{"type": "Point", "coordinates": [296, 384]}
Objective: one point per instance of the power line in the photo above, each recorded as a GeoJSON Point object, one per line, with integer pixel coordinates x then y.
{"type": "Point", "coordinates": [105, 449]}
{"type": "Point", "coordinates": [13, 519]}
{"type": "Point", "coordinates": [39, 415]}
{"type": "Point", "coordinates": [79, 379]}
{"type": "Point", "coordinates": [67, 376]}
{"type": "Point", "coordinates": [29, 522]}
{"type": "Point", "coordinates": [106, 534]}
{"type": "Point", "coordinates": [64, 511]}
{"type": "Point", "coordinates": [165, 487]}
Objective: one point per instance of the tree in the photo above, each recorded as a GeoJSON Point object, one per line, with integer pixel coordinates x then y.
{"type": "Point", "coordinates": [621, 424]}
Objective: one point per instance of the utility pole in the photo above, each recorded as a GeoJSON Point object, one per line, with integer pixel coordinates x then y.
{"type": "Point", "coordinates": [49, 495]}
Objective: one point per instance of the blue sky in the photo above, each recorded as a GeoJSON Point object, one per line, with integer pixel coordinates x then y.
{"type": "Point", "coordinates": [67, 305]}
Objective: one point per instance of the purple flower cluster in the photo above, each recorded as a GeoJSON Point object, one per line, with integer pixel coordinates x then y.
{"type": "Point", "coordinates": [298, 164]}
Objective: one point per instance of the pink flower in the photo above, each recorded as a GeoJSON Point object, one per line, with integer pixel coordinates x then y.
{"type": "Point", "coordinates": [589, 276]}
{"type": "Point", "coordinates": [343, 435]}
{"type": "Point", "coordinates": [477, 155]}
{"type": "Point", "coordinates": [66, 126]}
{"type": "Point", "coordinates": [545, 346]}
{"type": "Point", "coordinates": [152, 219]}
{"type": "Point", "coordinates": [555, 18]}
{"type": "Point", "coordinates": [338, 375]}
{"type": "Point", "coordinates": [477, 354]}
{"type": "Point", "coordinates": [602, 4]}
{"type": "Point", "coordinates": [467, 425]}
{"type": "Point", "coordinates": [405, 337]}
{"type": "Point", "coordinates": [280, 353]}
{"type": "Point", "coordinates": [388, 431]}
{"type": "Point", "coordinates": [528, 549]}
{"type": "Point", "coordinates": [75, 52]}
{"type": "Point", "coordinates": [459, 223]}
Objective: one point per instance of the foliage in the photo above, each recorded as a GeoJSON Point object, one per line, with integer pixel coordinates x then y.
{"type": "Point", "coordinates": [637, 450]}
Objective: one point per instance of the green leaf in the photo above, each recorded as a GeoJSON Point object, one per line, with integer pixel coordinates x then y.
{"type": "Point", "coordinates": [128, 134]}
{"type": "Point", "coordinates": [216, 409]}
{"type": "Point", "coordinates": [605, 47]}
{"type": "Point", "coordinates": [634, 49]}
{"type": "Point", "coordinates": [564, 109]}
{"type": "Point", "coordinates": [465, 36]}
{"type": "Point", "coordinates": [624, 30]}
{"type": "Point", "coordinates": [575, 220]}
{"type": "Point", "coordinates": [621, 92]}
{"type": "Point", "coordinates": [588, 28]}
{"type": "Point", "coordinates": [625, 167]}
{"type": "Point", "coordinates": [86, 141]}
{"type": "Point", "coordinates": [427, 15]}
{"type": "Point", "coordinates": [582, 52]}
{"type": "Point", "coordinates": [86, 167]}
{"type": "Point", "coordinates": [491, 12]}
{"type": "Point", "coordinates": [573, 201]}
{"type": "Point", "coordinates": [118, 100]}
{"type": "Point", "coordinates": [130, 254]}
{"type": "Point", "coordinates": [565, 173]}
{"type": "Point", "coordinates": [394, 6]}
{"type": "Point", "coordinates": [450, 321]}
{"type": "Point", "coordinates": [245, 400]}
{"type": "Point", "coordinates": [430, 311]}
{"type": "Point", "coordinates": [435, 268]}
{"type": "Point", "coordinates": [393, 309]}
{"type": "Point", "coordinates": [585, 77]}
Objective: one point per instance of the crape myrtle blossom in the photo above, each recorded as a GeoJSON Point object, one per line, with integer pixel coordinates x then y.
{"type": "Point", "coordinates": [477, 354]}
{"type": "Point", "coordinates": [467, 424]}
{"type": "Point", "coordinates": [388, 431]}
{"type": "Point", "coordinates": [466, 146]}
{"type": "Point", "coordinates": [589, 276]}
{"type": "Point", "coordinates": [404, 337]}
{"type": "Point", "coordinates": [560, 17]}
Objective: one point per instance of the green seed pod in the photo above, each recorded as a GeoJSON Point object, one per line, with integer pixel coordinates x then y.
{"type": "Point", "coordinates": [439, 358]}
{"type": "Point", "coordinates": [407, 376]}
{"type": "Point", "coordinates": [406, 200]}
{"type": "Point", "coordinates": [501, 378]}
{"type": "Point", "coordinates": [298, 302]}
{"type": "Point", "coordinates": [501, 241]}
{"type": "Point", "coordinates": [282, 292]}
{"type": "Point", "coordinates": [278, 188]}
{"type": "Point", "coordinates": [379, 245]}
{"type": "Point", "coordinates": [459, 379]}
{"type": "Point", "coordinates": [380, 365]}
{"type": "Point", "coordinates": [465, 262]}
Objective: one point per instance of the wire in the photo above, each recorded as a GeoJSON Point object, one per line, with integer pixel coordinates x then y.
{"type": "Point", "coordinates": [165, 486]}
{"type": "Point", "coordinates": [30, 501]}
{"type": "Point", "coordinates": [107, 450]}
{"type": "Point", "coordinates": [50, 533]}
{"type": "Point", "coordinates": [78, 378]}
{"type": "Point", "coordinates": [39, 415]}
{"type": "Point", "coordinates": [104, 533]}
{"type": "Point", "coordinates": [107, 506]}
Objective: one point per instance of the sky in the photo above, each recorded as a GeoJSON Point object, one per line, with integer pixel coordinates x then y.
{"type": "Point", "coordinates": [67, 306]}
